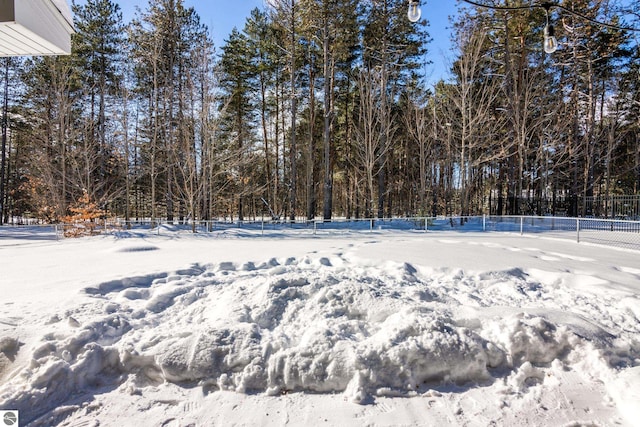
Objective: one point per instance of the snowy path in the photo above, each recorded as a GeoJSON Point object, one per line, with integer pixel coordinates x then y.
{"type": "Point", "coordinates": [380, 328]}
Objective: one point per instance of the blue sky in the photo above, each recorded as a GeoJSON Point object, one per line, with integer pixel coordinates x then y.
{"type": "Point", "coordinates": [221, 16]}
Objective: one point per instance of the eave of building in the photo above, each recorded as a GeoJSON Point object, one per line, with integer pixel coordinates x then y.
{"type": "Point", "coordinates": [35, 27]}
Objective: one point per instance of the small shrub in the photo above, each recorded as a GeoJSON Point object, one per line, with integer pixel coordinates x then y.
{"type": "Point", "coordinates": [82, 220]}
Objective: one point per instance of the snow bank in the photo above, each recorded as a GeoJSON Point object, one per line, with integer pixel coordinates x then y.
{"type": "Point", "coordinates": [329, 325]}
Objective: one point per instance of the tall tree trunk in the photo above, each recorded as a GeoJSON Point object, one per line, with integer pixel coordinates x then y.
{"type": "Point", "coordinates": [311, 183]}
{"type": "Point", "coordinates": [125, 128]}
{"type": "Point", "coordinates": [5, 123]}
{"type": "Point", "coordinates": [385, 121]}
{"type": "Point", "coordinates": [292, 144]}
{"type": "Point", "coordinates": [328, 119]}
{"type": "Point", "coordinates": [265, 139]}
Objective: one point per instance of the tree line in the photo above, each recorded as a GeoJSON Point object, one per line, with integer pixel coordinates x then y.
{"type": "Point", "coordinates": [321, 108]}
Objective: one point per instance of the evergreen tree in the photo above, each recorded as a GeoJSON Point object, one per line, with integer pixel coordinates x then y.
{"type": "Point", "coordinates": [332, 25]}
{"type": "Point", "coordinates": [239, 86]}
{"type": "Point", "coordinates": [395, 47]}
{"type": "Point", "coordinates": [98, 43]}
{"type": "Point", "coordinates": [286, 17]}
{"type": "Point", "coordinates": [266, 56]}
{"type": "Point", "coordinates": [51, 99]}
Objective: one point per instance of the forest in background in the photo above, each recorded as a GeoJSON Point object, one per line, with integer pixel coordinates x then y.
{"type": "Point", "coordinates": [321, 108]}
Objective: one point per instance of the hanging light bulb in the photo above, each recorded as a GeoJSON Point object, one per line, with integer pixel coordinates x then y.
{"type": "Point", "coordinates": [550, 41]}
{"type": "Point", "coordinates": [550, 44]}
{"type": "Point", "coordinates": [414, 12]}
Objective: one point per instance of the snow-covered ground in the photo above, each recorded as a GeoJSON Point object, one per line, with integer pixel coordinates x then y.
{"type": "Point", "coordinates": [371, 328]}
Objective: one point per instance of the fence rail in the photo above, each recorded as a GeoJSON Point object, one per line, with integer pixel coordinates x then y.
{"type": "Point", "coordinates": [611, 232]}
{"type": "Point", "coordinates": [618, 207]}
{"type": "Point", "coordinates": [31, 232]}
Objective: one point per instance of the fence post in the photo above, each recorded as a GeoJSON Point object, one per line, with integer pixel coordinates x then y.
{"type": "Point", "coordinates": [426, 224]}
{"type": "Point", "coordinates": [315, 226]}
{"type": "Point", "coordinates": [578, 230]}
{"type": "Point", "coordinates": [521, 225]}
{"type": "Point", "coordinates": [484, 222]}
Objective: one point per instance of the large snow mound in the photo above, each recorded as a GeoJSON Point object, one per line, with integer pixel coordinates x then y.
{"type": "Point", "coordinates": [326, 325]}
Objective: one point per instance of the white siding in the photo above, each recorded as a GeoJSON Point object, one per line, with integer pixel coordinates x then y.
{"type": "Point", "coordinates": [39, 28]}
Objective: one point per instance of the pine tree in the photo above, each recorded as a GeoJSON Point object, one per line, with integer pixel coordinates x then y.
{"type": "Point", "coordinates": [51, 99]}
{"type": "Point", "coordinates": [332, 26]}
{"type": "Point", "coordinates": [239, 84]}
{"type": "Point", "coordinates": [394, 46]}
{"type": "Point", "coordinates": [287, 20]}
{"type": "Point", "coordinates": [262, 36]}
{"type": "Point", "coordinates": [98, 43]}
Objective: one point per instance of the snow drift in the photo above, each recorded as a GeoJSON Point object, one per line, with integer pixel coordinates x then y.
{"type": "Point", "coordinates": [336, 324]}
